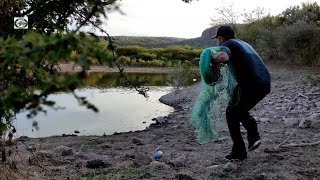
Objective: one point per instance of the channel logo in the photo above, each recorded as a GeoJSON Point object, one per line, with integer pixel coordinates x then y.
{"type": "Point", "coordinates": [20, 22]}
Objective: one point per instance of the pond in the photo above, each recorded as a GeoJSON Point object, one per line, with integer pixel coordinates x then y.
{"type": "Point", "coordinates": [120, 109]}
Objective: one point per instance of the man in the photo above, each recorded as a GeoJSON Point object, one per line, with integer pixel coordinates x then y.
{"type": "Point", "coordinates": [253, 84]}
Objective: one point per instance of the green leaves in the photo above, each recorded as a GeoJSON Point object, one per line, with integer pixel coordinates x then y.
{"type": "Point", "coordinates": [30, 70]}
{"type": "Point", "coordinates": [47, 16]}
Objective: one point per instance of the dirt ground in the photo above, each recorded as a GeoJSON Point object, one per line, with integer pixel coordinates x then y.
{"type": "Point", "coordinates": [292, 106]}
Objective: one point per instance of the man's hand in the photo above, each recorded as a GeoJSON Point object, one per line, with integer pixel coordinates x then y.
{"type": "Point", "coordinates": [221, 57]}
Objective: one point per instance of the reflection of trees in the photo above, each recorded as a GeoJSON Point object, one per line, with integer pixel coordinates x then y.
{"type": "Point", "coordinates": [106, 80]}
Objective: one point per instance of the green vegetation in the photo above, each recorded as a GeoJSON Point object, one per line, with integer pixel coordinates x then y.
{"type": "Point", "coordinates": [107, 80]}
{"type": "Point", "coordinates": [29, 59]}
{"type": "Point", "coordinates": [293, 35]}
{"type": "Point", "coordinates": [157, 57]}
{"type": "Point", "coordinates": [149, 42]}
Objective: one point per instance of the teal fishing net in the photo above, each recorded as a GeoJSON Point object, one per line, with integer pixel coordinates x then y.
{"type": "Point", "coordinates": [218, 83]}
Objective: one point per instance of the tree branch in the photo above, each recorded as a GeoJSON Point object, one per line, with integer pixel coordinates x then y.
{"type": "Point", "coordinates": [142, 91]}
{"type": "Point", "coordinates": [281, 144]}
{"type": "Point", "coordinates": [93, 11]}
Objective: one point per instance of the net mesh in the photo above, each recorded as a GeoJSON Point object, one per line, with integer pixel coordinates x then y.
{"type": "Point", "coordinates": [218, 83]}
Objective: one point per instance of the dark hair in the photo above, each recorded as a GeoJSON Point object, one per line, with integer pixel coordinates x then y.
{"type": "Point", "coordinates": [226, 32]}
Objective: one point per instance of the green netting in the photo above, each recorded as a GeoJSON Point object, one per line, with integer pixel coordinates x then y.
{"type": "Point", "coordinates": [210, 105]}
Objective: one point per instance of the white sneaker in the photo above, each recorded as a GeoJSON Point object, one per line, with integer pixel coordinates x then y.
{"type": "Point", "coordinates": [255, 145]}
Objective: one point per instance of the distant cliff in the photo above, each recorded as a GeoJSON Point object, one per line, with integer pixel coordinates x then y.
{"type": "Point", "coordinates": [200, 42]}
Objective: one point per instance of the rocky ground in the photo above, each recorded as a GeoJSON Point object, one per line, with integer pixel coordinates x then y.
{"type": "Point", "coordinates": [292, 110]}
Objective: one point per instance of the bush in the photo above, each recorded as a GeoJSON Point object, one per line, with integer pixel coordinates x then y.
{"type": "Point", "coordinates": [130, 51]}
{"type": "Point", "coordinates": [301, 41]}
{"type": "Point", "coordinates": [293, 35]}
{"type": "Point", "coordinates": [147, 56]}
{"type": "Point", "coordinates": [124, 60]}
{"type": "Point", "coordinates": [157, 63]}
{"type": "Point", "coordinates": [159, 56]}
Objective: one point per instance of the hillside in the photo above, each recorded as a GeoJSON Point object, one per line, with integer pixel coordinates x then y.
{"type": "Point", "coordinates": [145, 41]}
{"type": "Point", "coordinates": [204, 41]}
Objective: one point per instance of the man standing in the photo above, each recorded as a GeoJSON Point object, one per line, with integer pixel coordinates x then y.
{"type": "Point", "coordinates": [253, 84]}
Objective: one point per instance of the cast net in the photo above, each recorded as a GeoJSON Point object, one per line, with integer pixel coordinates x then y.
{"type": "Point", "coordinates": [218, 83]}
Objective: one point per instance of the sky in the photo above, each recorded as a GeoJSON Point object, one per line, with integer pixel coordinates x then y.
{"type": "Point", "coordinates": [174, 18]}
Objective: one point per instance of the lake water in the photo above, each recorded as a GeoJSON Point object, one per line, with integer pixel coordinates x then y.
{"type": "Point", "coordinates": [120, 109]}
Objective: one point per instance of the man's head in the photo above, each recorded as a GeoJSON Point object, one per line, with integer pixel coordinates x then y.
{"type": "Point", "coordinates": [224, 33]}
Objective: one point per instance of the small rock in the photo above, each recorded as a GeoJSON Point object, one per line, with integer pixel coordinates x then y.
{"type": "Point", "coordinates": [140, 159]}
{"type": "Point", "coordinates": [76, 131]}
{"type": "Point", "coordinates": [289, 122]}
{"type": "Point", "coordinates": [64, 150]}
{"type": "Point", "coordinates": [130, 156]}
{"type": "Point", "coordinates": [179, 161]}
{"type": "Point", "coordinates": [264, 119]}
{"type": "Point", "coordinates": [137, 141]}
{"type": "Point", "coordinates": [272, 112]}
{"type": "Point", "coordinates": [229, 167]}
{"type": "Point", "coordinates": [299, 107]}
{"type": "Point", "coordinates": [264, 175]}
{"type": "Point", "coordinates": [213, 167]}
{"type": "Point", "coordinates": [97, 163]}
{"type": "Point", "coordinates": [295, 112]}
{"type": "Point", "coordinates": [104, 135]}
{"type": "Point", "coordinates": [31, 148]}
{"type": "Point", "coordinates": [67, 152]}
{"type": "Point", "coordinates": [183, 177]}
{"type": "Point", "coordinates": [156, 165]}
{"type": "Point", "coordinates": [56, 168]}
{"type": "Point", "coordinates": [160, 120]}
{"type": "Point", "coordinates": [105, 146]}
{"type": "Point", "coordinates": [221, 139]}
{"type": "Point", "coordinates": [305, 123]}
{"type": "Point", "coordinates": [144, 122]}
{"type": "Point", "coordinates": [176, 126]}
{"type": "Point", "coordinates": [44, 154]}
{"type": "Point", "coordinates": [315, 117]}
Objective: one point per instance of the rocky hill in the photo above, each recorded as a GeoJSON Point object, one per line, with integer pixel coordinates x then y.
{"type": "Point", "coordinates": [200, 42]}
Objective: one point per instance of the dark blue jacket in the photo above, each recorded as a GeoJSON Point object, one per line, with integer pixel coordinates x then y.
{"type": "Point", "coordinates": [247, 66]}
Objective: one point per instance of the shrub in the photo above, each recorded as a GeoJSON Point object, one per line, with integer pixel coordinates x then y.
{"type": "Point", "coordinates": [124, 60]}
{"type": "Point", "coordinates": [301, 41]}
{"type": "Point", "coordinates": [147, 56]}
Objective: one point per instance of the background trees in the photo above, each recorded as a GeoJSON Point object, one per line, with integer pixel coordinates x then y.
{"type": "Point", "coordinates": [292, 35]}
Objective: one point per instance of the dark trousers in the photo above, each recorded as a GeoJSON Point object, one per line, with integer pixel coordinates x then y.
{"type": "Point", "coordinates": [242, 101]}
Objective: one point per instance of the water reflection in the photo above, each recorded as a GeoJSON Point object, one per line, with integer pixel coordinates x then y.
{"type": "Point", "coordinates": [107, 80]}
{"type": "Point", "coordinates": [120, 109]}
